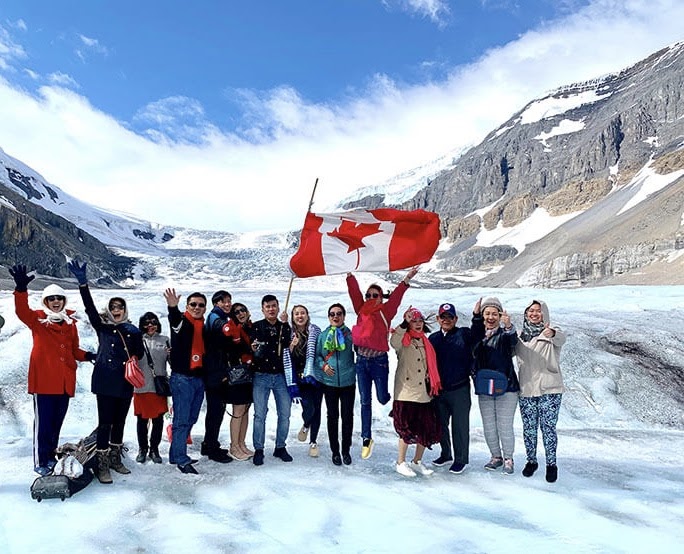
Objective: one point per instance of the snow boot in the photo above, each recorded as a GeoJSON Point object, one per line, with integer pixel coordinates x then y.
{"type": "Point", "coordinates": [115, 459]}
{"type": "Point", "coordinates": [102, 472]}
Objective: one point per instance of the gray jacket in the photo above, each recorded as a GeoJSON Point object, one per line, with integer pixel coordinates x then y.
{"type": "Point", "coordinates": [539, 361]}
{"type": "Point", "coordinates": [157, 345]}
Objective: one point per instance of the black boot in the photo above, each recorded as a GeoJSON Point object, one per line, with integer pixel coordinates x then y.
{"type": "Point", "coordinates": [154, 455]}
{"type": "Point", "coordinates": [142, 455]}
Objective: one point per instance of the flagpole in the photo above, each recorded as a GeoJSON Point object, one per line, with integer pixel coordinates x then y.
{"type": "Point", "coordinates": [289, 288]}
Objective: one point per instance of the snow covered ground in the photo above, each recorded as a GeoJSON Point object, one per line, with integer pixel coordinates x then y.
{"type": "Point", "coordinates": [620, 484]}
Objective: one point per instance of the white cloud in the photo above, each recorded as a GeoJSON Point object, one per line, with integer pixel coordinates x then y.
{"type": "Point", "coordinates": [10, 51]}
{"type": "Point", "coordinates": [31, 74]}
{"type": "Point", "coordinates": [93, 44]}
{"type": "Point", "coordinates": [185, 171]}
{"type": "Point", "coordinates": [62, 79]}
{"type": "Point", "coordinates": [435, 10]}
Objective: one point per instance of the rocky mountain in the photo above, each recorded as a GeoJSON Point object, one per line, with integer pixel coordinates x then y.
{"type": "Point", "coordinates": [583, 186]}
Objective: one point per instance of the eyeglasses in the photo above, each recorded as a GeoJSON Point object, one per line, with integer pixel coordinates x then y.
{"type": "Point", "coordinates": [196, 304]}
{"type": "Point", "coordinates": [239, 311]}
{"type": "Point", "coordinates": [372, 295]}
{"type": "Point", "coordinates": [335, 314]}
{"type": "Point", "coordinates": [446, 316]}
{"type": "Point", "coordinates": [55, 298]}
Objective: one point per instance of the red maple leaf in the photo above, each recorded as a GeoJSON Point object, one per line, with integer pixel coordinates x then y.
{"type": "Point", "coordinates": [352, 234]}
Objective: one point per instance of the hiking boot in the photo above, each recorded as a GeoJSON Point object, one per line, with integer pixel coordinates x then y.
{"type": "Point", "coordinates": [367, 449]}
{"type": "Point", "coordinates": [418, 467]}
{"type": "Point", "coordinates": [283, 454]}
{"type": "Point", "coordinates": [258, 459]}
{"type": "Point", "coordinates": [494, 464]}
{"type": "Point", "coordinates": [313, 450]}
{"type": "Point", "coordinates": [442, 460]}
{"type": "Point", "coordinates": [457, 468]}
{"type": "Point", "coordinates": [529, 469]}
{"type": "Point", "coordinates": [337, 459]}
{"type": "Point", "coordinates": [154, 455]}
{"type": "Point", "coordinates": [551, 473]}
{"type": "Point", "coordinates": [303, 434]}
{"type": "Point", "coordinates": [346, 459]}
{"type": "Point", "coordinates": [404, 469]}
{"type": "Point", "coordinates": [142, 456]}
{"type": "Point", "coordinates": [508, 466]}
{"type": "Point", "coordinates": [115, 454]}
{"type": "Point", "coordinates": [188, 468]}
{"type": "Point", "coordinates": [220, 455]}
{"type": "Point", "coordinates": [102, 472]}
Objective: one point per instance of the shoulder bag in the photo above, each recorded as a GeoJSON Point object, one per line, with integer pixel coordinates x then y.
{"type": "Point", "coordinates": [489, 382]}
{"type": "Point", "coordinates": [132, 373]}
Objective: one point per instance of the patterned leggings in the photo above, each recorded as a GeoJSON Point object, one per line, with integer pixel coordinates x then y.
{"type": "Point", "coordinates": [540, 412]}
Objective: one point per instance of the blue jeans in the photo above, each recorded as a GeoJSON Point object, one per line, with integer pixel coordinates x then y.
{"type": "Point", "coordinates": [369, 371]}
{"type": "Point", "coordinates": [263, 384]}
{"type": "Point", "coordinates": [187, 394]}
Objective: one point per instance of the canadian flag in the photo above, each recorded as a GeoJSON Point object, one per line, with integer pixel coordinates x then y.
{"type": "Point", "coordinates": [365, 240]}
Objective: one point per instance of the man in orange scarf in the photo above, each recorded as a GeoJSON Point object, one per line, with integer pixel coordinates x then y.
{"type": "Point", "coordinates": [186, 360]}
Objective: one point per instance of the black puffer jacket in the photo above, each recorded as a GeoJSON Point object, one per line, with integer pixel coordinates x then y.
{"type": "Point", "coordinates": [497, 353]}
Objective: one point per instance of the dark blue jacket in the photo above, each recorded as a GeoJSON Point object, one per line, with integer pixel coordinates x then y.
{"type": "Point", "coordinates": [225, 343]}
{"type": "Point", "coordinates": [455, 353]}
{"type": "Point", "coordinates": [109, 371]}
{"type": "Point", "coordinates": [497, 353]}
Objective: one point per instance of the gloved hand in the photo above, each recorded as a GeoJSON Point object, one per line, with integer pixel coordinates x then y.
{"type": "Point", "coordinates": [90, 357]}
{"type": "Point", "coordinates": [21, 279]}
{"type": "Point", "coordinates": [79, 271]}
{"type": "Point", "coordinates": [295, 395]}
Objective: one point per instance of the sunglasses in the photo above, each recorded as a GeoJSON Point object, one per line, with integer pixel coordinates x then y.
{"type": "Point", "coordinates": [372, 295]}
{"type": "Point", "coordinates": [150, 324]}
{"type": "Point", "coordinates": [335, 314]}
{"type": "Point", "coordinates": [446, 316]}
{"type": "Point", "coordinates": [240, 311]}
{"type": "Point", "coordinates": [54, 298]}
{"type": "Point", "coordinates": [196, 304]}
{"type": "Point", "coordinates": [117, 307]}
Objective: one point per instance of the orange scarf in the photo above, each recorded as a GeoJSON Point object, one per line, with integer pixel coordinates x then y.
{"type": "Point", "coordinates": [197, 349]}
{"type": "Point", "coordinates": [431, 358]}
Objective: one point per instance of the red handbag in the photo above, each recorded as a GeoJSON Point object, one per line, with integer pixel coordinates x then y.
{"type": "Point", "coordinates": [132, 371]}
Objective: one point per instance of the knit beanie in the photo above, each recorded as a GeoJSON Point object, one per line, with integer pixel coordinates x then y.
{"type": "Point", "coordinates": [492, 301]}
{"type": "Point", "coordinates": [53, 290]}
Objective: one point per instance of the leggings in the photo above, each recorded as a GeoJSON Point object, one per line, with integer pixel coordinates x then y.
{"type": "Point", "coordinates": [540, 412]}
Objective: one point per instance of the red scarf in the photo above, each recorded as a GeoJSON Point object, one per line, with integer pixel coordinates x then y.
{"type": "Point", "coordinates": [433, 374]}
{"type": "Point", "coordinates": [197, 350]}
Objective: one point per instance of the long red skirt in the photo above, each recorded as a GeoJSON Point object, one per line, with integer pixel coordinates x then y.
{"type": "Point", "coordinates": [149, 405]}
{"type": "Point", "coordinates": [416, 423]}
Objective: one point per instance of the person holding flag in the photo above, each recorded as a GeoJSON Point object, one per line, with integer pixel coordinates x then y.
{"type": "Point", "coordinates": [370, 338]}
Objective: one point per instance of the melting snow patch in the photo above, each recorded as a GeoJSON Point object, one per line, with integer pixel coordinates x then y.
{"type": "Point", "coordinates": [565, 127]}
{"type": "Point", "coordinates": [548, 107]}
{"type": "Point", "coordinates": [647, 182]}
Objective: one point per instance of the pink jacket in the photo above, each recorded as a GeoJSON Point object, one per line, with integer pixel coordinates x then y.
{"type": "Point", "coordinates": [372, 330]}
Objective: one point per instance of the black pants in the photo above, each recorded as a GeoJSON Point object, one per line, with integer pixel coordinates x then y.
{"type": "Point", "coordinates": [216, 409]}
{"type": "Point", "coordinates": [454, 406]}
{"type": "Point", "coordinates": [155, 436]}
{"type": "Point", "coordinates": [111, 418]}
{"type": "Point", "coordinates": [340, 401]}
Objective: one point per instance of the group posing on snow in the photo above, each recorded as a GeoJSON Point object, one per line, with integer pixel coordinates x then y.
{"type": "Point", "coordinates": [229, 363]}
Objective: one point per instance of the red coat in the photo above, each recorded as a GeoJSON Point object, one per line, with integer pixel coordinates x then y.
{"type": "Point", "coordinates": [52, 368]}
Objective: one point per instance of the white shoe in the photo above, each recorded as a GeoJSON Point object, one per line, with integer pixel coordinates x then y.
{"type": "Point", "coordinates": [404, 469]}
{"type": "Point", "coordinates": [313, 450]}
{"type": "Point", "coordinates": [418, 467]}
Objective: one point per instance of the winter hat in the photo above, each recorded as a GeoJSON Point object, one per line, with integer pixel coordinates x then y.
{"type": "Point", "coordinates": [447, 309]}
{"type": "Point", "coordinates": [53, 290]}
{"type": "Point", "coordinates": [492, 301]}
{"type": "Point", "coordinates": [414, 315]}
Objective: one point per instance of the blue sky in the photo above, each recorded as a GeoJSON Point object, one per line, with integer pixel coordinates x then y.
{"type": "Point", "coordinates": [254, 100]}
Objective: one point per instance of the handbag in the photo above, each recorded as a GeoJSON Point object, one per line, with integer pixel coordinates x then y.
{"type": "Point", "coordinates": [161, 385]}
{"type": "Point", "coordinates": [132, 371]}
{"type": "Point", "coordinates": [239, 374]}
{"type": "Point", "coordinates": [489, 382]}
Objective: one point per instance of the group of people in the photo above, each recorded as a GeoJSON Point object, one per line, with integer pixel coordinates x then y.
{"type": "Point", "coordinates": [298, 362]}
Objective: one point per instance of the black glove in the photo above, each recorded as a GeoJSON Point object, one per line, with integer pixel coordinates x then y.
{"type": "Point", "coordinates": [90, 357]}
{"type": "Point", "coordinates": [18, 272]}
{"type": "Point", "coordinates": [79, 271]}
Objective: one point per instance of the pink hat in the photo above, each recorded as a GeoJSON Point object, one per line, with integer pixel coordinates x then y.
{"type": "Point", "coordinates": [414, 314]}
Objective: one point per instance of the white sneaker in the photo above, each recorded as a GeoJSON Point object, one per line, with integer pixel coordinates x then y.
{"type": "Point", "coordinates": [313, 450]}
{"type": "Point", "coordinates": [404, 469]}
{"type": "Point", "coordinates": [418, 467]}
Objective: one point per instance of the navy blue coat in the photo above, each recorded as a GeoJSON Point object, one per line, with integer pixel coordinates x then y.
{"type": "Point", "coordinates": [455, 353]}
{"type": "Point", "coordinates": [109, 372]}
